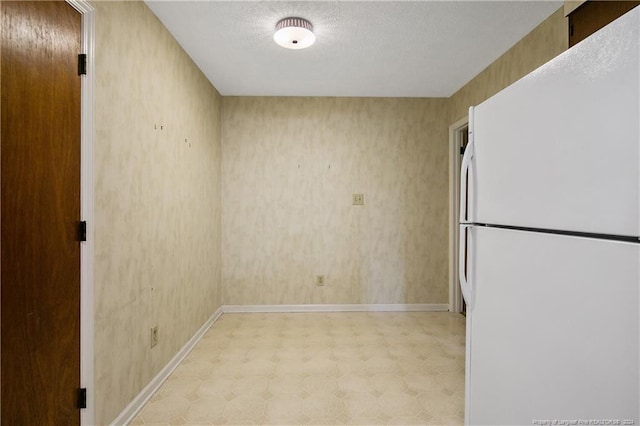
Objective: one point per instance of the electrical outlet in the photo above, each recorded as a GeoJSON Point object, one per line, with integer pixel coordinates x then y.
{"type": "Point", "coordinates": [154, 336]}
{"type": "Point", "coordinates": [358, 199]}
{"type": "Point", "coordinates": [320, 280]}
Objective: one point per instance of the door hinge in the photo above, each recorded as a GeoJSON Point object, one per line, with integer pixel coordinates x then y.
{"type": "Point", "coordinates": [82, 64]}
{"type": "Point", "coordinates": [82, 231]}
{"type": "Point", "coordinates": [82, 398]}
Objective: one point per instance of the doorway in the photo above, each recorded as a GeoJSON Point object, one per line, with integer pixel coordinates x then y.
{"type": "Point", "coordinates": [458, 138]}
{"type": "Point", "coordinates": [40, 212]}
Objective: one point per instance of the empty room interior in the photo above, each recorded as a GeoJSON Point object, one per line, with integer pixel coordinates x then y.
{"type": "Point", "coordinates": [271, 233]}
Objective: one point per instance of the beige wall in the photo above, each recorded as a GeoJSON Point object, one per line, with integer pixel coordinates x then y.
{"type": "Point", "coordinates": [290, 167]}
{"type": "Point", "coordinates": [157, 201]}
{"type": "Point", "coordinates": [545, 42]}
{"type": "Point", "coordinates": [570, 6]}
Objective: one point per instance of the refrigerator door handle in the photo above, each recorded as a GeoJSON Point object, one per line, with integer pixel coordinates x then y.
{"type": "Point", "coordinates": [465, 285]}
{"type": "Point", "coordinates": [465, 167]}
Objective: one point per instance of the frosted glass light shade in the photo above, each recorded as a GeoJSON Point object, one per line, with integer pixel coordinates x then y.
{"type": "Point", "coordinates": [294, 33]}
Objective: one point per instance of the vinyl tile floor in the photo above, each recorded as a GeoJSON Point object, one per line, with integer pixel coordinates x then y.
{"type": "Point", "coordinates": [359, 368]}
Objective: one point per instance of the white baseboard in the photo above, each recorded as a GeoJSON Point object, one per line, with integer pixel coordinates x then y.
{"type": "Point", "coordinates": [127, 415]}
{"type": "Point", "coordinates": [397, 307]}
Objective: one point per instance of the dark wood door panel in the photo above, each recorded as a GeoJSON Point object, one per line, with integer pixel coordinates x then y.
{"type": "Point", "coordinates": [40, 209]}
{"type": "Point", "coordinates": [593, 15]}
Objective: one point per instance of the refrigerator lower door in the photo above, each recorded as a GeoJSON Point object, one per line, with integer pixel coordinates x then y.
{"type": "Point", "coordinates": [553, 334]}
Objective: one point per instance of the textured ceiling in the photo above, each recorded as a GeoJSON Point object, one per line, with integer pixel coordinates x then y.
{"type": "Point", "coordinates": [363, 48]}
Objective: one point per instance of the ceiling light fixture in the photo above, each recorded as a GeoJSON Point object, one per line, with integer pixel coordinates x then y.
{"type": "Point", "coordinates": [294, 33]}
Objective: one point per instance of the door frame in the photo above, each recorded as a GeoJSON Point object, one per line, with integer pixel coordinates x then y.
{"type": "Point", "coordinates": [87, 415]}
{"type": "Point", "coordinates": [455, 142]}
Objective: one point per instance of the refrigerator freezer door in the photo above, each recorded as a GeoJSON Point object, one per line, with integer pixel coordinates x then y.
{"type": "Point", "coordinates": [559, 149]}
{"type": "Point", "coordinates": [554, 332]}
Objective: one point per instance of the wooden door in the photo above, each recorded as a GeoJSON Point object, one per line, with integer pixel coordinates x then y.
{"type": "Point", "coordinates": [593, 15]}
{"type": "Point", "coordinates": [40, 211]}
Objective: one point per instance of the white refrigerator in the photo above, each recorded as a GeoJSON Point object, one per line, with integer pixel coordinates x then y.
{"type": "Point", "coordinates": [549, 240]}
